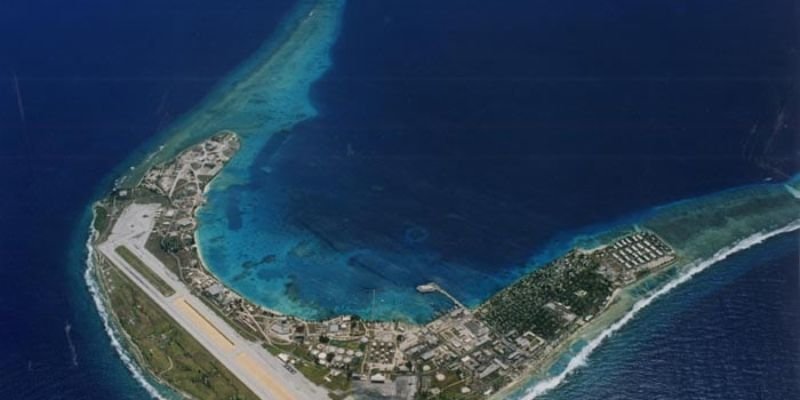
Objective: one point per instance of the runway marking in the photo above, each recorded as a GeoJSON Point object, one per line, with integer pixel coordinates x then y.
{"type": "Point", "coordinates": [205, 325]}
{"type": "Point", "coordinates": [249, 364]}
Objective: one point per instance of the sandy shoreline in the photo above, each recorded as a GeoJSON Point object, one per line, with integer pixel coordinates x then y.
{"type": "Point", "coordinates": [623, 304]}
{"type": "Point", "coordinates": [621, 309]}
{"type": "Point", "coordinates": [233, 101]}
{"type": "Point", "coordinates": [199, 250]}
{"type": "Point", "coordinates": [614, 310]}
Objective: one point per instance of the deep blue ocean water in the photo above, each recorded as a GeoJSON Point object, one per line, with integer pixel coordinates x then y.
{"type": "Point", "coordinates": [459, 140]}
{"type": "Point", "coordinates": [733, 332]}
{"type": "Point", "coordinates": [456, 140]}
{"type": "Point", "coordinates": [96, 80]}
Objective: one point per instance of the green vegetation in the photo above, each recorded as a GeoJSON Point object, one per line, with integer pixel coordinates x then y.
{"type": "Point", "coordinates": [243, 330]}
{"type": "Point", "coordinates": [171, 244]}
{"type": "Point", "coordinates": [306, 364]}
{"type": "Point", "coordinates": [169, 351]}
{"type": "Point", "coordinates": [543, 301]}
{"type": "Point", "coordinates": [146, 196]}
{"type": "Point", "coordinates": [354, 345]}
{"type": "Point", "coordinates": [170, 260]}
{"type": "Point", "coordinates": [450, 387]}
{"type": "Point", "coordinates": [101, 219]}
{"type": "Point", "coordinates": [146, 272]}
{"type": "Point", "coordinates": [316, 373]}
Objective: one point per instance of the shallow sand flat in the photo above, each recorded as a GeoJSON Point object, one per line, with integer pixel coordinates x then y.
{"type": "Point", "coordinates": [267, 93]}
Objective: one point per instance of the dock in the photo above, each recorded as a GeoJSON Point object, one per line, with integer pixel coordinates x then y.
{"type": "Point", "coordinates": [432, 287]}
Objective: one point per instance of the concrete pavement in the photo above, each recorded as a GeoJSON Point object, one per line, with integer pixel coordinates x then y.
{"type": "Point", "coordinates": [263, 373]}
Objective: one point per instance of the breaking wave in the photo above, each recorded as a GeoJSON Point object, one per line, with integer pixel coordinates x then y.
{"type": "Point", "coordinates": [582, 357]}
{"type": "Point", "coordinates": [94, 289]}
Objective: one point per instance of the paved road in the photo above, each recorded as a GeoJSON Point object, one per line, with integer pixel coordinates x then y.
{"type": "Point", "coordinates": [254, 366]}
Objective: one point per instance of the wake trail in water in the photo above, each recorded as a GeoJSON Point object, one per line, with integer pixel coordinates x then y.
{"type": "Point", "coordinates": [20, 104]}
{"type": "Point", "coordinates": [68, 333]}
{"type": "Point", "coordinates": [696, 267]}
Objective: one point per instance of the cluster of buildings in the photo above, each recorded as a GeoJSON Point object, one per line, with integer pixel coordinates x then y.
{"type": "Point", "coordinates": [631, 256]}
{"type": "Point", "coordinates": [335, 357]}
{"type": "Point", "coordinates": [460, 351]}
{"type": "Point", "coordinates": [463, 353]}
{"type": "Point", "coordinates": [180, 185]}
{"type": "Point", "coordinates": [192, 169]}
{"type": "Point", "coordinates": [382, 351]}
{"type": "Point", "coordinates": [181, 182]}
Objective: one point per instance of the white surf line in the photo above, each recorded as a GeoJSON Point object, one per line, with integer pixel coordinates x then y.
{"type": "Point", "coordinates": [94, 290]}
{"type": "Point", "coordinates": [581, 358]}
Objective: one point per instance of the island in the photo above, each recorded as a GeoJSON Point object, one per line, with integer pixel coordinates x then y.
{"type": "Point", "coordinates": [195, 336]}
{"type": "Point", "coordinates": [202, 339]}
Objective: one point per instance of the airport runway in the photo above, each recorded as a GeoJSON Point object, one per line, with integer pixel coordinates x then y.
{"type": "Point", "coordinates": [263, 373]}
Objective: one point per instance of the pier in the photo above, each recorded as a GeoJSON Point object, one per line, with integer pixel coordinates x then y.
{"type": "Point", "coordinates": [432, 287]}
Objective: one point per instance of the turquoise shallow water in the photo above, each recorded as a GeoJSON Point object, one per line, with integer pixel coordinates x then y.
{"type": "Point", "coordinates": [420, 165]}
{"type": "Point", "coordinates": [336, 207]}
{"type": "Point", "coordinates": [292, 270]}
{"type": "Point", "coordinates": [94, 89]}
{"type": "Point", "coordinates": [730, 332]}
{"type": "Point", "coordinates": [84, 83]}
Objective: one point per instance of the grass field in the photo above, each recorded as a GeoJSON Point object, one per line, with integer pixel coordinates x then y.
{"type": "Point", "coordinates": [101, 219]}
{"type": "Point", "coordinates": [143, 269]}
{"type": "Point", "coordinates": [306, 365]}
{"type": "Point", "coordinates": [168, 351]}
